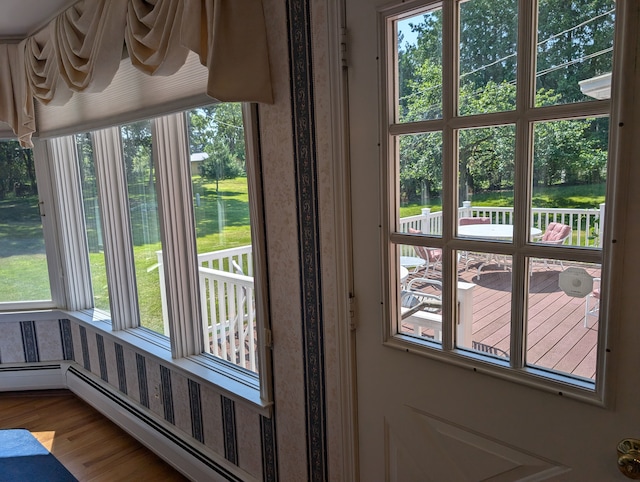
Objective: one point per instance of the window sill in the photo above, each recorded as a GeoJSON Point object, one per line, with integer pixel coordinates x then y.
{"type": "Point", "coordinates": [234, 383]}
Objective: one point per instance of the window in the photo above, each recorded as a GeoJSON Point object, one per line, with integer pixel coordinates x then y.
{"type": "Point", "coordinates": [223, 232]}
{"type": "Point", "coordinates": [496, 192]}
{"type": "Point", "coordinates": [170, 233]}
{"type": "Point", "coordinates": [140, 175]}
{"type": "Point", "coordinates": [23, 262]}
{"type": "Point", "coordinates": [93, 222]}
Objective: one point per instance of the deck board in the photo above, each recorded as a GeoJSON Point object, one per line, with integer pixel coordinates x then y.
{"type": "Point", "coordinates": [556, 336]}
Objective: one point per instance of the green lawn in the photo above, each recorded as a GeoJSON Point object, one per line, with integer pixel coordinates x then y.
{"type": "Point", "coordinates": [221, 222]}
{"type": "Point", "coordinates": [23, 267]}
{"type": "Point", "coordinates": [577, 197]}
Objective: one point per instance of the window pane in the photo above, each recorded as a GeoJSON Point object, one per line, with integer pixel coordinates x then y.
{"type": "Point", "coordinates": [569, 180]}
{"type": "Point", "coordinates": [420, 292]}
{"type": "Point", "coordinates": [24, 275]}
{"type": "Point", "coordinates": [484, 303]}
{"type": "Point", "coordinates": [562, 327]}
{"type": "Point", "coordinates": [486, 179]}
{"type": "Point", "coordinates": [93, 222]}
{"type": "Point", "coordinates": [223, 232]}
{"type": "Point", "coordinates": [575, 48]}
{"type": "Point", "coordinates": [420, 182]}
{"type": "Point", "coordinates": [419, 54]}
{"type": "Point", "coordinates": [488, 47]}
{"type": "Point", "coordinates": [145, 231]}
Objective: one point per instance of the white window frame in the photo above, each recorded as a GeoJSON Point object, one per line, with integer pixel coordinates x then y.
{"type": "Point", "coordinates": [51, 242]}
{"type": "Point", "coordinates": [184, 348]}
{"type": "Point", "coordinates": [521, 249]}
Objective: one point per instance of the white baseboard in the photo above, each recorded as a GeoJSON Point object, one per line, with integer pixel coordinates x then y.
{"type": "Point", "coordinates": [196, 463]}
{"type": "Point", "coordinates": [43, 376]}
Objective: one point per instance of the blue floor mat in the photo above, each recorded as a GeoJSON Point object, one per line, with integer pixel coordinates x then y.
{"type": "Point", "coordinates": [24, 459]}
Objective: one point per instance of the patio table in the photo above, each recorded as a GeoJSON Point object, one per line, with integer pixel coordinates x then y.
{"type": "Point", "coordinates": [494, 232]}
{"type": "Point", "coordinates": [412, 262]}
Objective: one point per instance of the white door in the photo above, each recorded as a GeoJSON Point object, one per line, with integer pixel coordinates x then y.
{"type": "Point", "coordinates": [491, 365]}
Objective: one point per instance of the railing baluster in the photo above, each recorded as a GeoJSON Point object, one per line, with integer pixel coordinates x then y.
{"type": "Point", "coordinates": [215, 319]}
{"type": "Point", "coordinates": [205, 314]}
{"type": "Point", "coordinates": [223, 318]}
{"type": "Point", "coordinates": [251, 330]}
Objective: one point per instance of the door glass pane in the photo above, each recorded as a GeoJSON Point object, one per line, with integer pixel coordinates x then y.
{"type": "Point", "coordinates": [145, 230]}
{"type": "Point", "coordinates": [419, 53]}
{"type": "Point", "coordinates": [24, 275]}
{"type": "Point", "coordinates": [569, 181]}
{"type": "Point", "coordinates": [484, 303]}
{"type": "Point", "coordinates": [223, 232]}
{"type": "Point", "coordinates": [486, 181]}
{"type": "Point", "coordinates": [420, 290]}
{"type": "Point", "coordinates": [574, 51]}
{"type": "Point", "coordinates": [563, 316]}
{"type": "Point", "coordinates": [93, 222]}
{"type": "Point", "coordinates": [488, 47]}
{"type": "Point", "coordinates": [420, 183]}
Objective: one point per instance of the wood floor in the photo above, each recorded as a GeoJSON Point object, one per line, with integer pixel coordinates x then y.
{"type": "Point", "coordinates": [89, 445]}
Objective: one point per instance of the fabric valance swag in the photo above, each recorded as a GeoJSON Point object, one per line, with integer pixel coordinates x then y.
{"type": "Point", "coordinates": [80, 51]}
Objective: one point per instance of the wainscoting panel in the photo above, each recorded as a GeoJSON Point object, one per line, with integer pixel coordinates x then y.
{"type": "Point", "coordinates": [421, 446]}
{"type": "Point", "coordinates": [11, 346]}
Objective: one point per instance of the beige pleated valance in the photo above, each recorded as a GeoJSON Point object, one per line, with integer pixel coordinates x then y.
{"type": "Point", "coordinates": [81, 49]}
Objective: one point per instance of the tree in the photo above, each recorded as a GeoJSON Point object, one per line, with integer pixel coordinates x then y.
{"type": "Point", "coordinates": [218, 131]}
{"type": "Point", "coordinates": [573, 44]}
{"type": "Point", "coordinates": [17, 170]}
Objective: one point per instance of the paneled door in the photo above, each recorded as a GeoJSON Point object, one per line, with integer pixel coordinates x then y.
{"type": "Point", "coordinates": [487, 356]}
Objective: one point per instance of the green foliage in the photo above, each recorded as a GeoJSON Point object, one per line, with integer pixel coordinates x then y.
{"type": "Point", "coordinates": [574, 42]}
{"type": "Point", "coordinates": [218, 131]}
{"type": "Point", "coordinates": [17, 171]}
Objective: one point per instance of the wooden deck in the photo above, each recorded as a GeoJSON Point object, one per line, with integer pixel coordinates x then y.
{"type": "Point", "coordinates": [556, 336]}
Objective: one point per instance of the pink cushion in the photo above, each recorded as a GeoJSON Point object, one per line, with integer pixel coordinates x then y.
{"type": "Point", "coordinates": [428, 254]}
{"type": "Point", "coordinates": [556, 232]}
{"type": "Point", "coordinates": [467, 221]}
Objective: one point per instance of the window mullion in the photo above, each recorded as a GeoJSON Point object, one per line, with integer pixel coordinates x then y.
{"type": "Point", "coordinates": [526, 68]}
{"type": "Point", "coordinates": [73, 246]}
{"type": "Point", "coordinates": [118, 246]}
{"type": "Point", "coordinates": [180, 264]}
{"type": "Point", "coordinates": [450, 83]}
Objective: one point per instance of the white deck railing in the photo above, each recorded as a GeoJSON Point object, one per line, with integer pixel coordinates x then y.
{"type": "Point", "coordinates": [585, 223]}
{"type": "Point", "coordinates": [227, 304]}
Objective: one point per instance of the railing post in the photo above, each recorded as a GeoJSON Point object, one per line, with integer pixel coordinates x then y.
{"type": "Point", "coordinates": [425, 224]}
{"type": "Point", "coordinates": [163, 294]}
{"type": "Point", "coordinates": [601, 224]}
{"type": "Point", "coordinates": [466, 209]}
{"type": "Point", "coordinates": [464, 328]}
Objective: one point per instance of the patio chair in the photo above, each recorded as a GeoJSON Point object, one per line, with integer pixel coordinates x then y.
{"type": "Point", "coordinates": [592, 302]}
{"type": "Point", "coordinates": [556, 234]}
{"type": "Point", "coordinates": [431, 256]}
{"type": "Point", "coordinates": [466, 256]}
{"type": "Point", "coordinates": [422, 290]}
{"type": "Point", "coordinates": [491, 350]}
{"type": "Point", "coordinates": [421, 307]}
